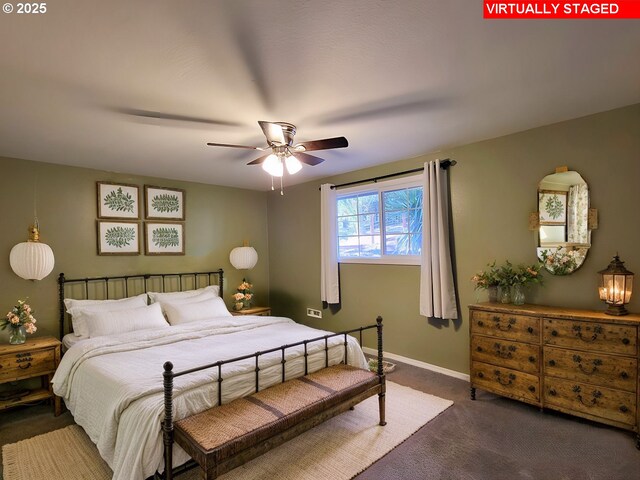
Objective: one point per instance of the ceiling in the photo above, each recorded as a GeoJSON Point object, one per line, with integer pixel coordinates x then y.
{"type": "Point", "coordinates": [82, 84]}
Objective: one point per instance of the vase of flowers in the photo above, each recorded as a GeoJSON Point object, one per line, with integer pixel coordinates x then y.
{"type": "Point", "coordinates": [488, 280]}
{"type": "Point", "coordinates": [513, 281]}
{"type": "Point", "coordinates": [242, 298]}
{"type": "Point", "coordinates": [560, 261]}
{"type": "Point", "coordinates": [20, 321]}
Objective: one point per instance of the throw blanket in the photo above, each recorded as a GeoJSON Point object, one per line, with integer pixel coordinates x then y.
{"type": "Point", "coordinates": [113, 385]}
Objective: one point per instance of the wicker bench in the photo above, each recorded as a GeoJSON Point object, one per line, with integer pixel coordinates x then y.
{"type": "Point", "coordinates": [224, 437]}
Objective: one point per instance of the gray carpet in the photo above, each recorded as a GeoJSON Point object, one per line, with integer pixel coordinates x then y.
{"type": "Point", "coordinates": [491, 438]}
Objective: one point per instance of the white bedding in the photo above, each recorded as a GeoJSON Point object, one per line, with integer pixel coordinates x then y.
{"type": "Point", "coordinates": [113, 385]}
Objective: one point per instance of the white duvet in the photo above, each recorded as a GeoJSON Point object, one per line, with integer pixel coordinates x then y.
{"type": "Point", "coordinates": [113, 385]}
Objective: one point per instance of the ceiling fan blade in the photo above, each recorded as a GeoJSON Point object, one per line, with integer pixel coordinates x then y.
{"type": "Point", "coordinates": [325, 144]}
{"type": "Point", "coordinates": [308, 159]}
{"type": "Point", "coordinates": [258, 161]}
{"type": "Point", "coordinates": [211, 144]}
{"type": "Point", "coordinates": [273, 132]}
{"type": "Point", "coordinates": [171, 116]}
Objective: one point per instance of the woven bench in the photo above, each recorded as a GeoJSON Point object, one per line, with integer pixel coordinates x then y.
{"type": "Point", "coordinates": [227, 436]}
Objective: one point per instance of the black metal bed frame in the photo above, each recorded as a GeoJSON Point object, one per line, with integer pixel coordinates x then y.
{"type": "Point", "coordinates": [197, 277]}
{"type": "Point", "coordinates": [168, 376]}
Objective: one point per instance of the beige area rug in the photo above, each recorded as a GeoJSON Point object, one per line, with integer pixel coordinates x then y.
{"type": "Point", "coordinates": [338, 449]}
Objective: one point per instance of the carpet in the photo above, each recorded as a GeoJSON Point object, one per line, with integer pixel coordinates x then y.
{"type": "Point", "coordinates": [338, 449]}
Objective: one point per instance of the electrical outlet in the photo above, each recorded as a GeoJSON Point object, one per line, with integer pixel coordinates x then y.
{"type": "Point", "coordinates": [312, 312]}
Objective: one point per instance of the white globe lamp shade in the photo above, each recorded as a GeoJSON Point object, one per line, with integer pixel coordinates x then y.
{"type": "Point", "coordinates": [273, 166]}
{"type": "Point", "coordinates": [243, 258]}
{"type": "Point", "coordinates": [293, 164]}
{"type": "Point", "coordinates": [31, 260]}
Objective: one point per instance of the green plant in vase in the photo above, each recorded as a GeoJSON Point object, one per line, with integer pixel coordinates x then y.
{"type": "Point", "coordinates": [488, 280]}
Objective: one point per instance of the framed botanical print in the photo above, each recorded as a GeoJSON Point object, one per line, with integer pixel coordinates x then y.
{"type": "Point", "coordinates": [118, 238]}
{"type": "Point", "coordinates": [118, 200]}
{"type": "Point", "coordinates": [552, 205]}
{"type": "Point", "coordinates": [164, 203]}
{"type": "Point", "coordinates": [164, 238]}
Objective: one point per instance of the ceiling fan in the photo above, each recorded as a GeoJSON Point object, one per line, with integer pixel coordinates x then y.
{"type": "Point", "coordinates": [282, 151]}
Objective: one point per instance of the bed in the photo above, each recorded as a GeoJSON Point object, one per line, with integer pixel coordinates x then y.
{"type": "Point", "coordinates": [112, 383]}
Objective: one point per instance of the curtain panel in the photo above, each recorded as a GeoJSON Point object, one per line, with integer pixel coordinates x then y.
{"type": "Point", "coordinates": [437, 291]}
{"type": "Point", "coordinates": [329, 281]}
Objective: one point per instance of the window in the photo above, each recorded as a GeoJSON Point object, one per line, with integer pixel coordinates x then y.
{"type": "Point", "coordinates": [381, 223]}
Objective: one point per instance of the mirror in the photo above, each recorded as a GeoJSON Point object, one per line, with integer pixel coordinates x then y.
{"type": "Point", "coordinates": [564, 237]}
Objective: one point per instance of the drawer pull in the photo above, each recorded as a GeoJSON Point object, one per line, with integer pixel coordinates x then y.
{"type": "Point", "coordinates": [504, 352]}
{"type": "Point", "coordinates": [480, 375]}
{"type": "Point", "coordinates": [24, 367]}
{"type": "Point", "coordinates": [530, 329]}
{"type": "Point", "coordinates": [553, 392]}
{"type": "Point", "coordinates": [505, 383]}
{"type": "Point", "coordinates": [596, 363]}
{"type": "Point", "coordinates": [505, 328]}
{"type": "Point", "coordinates": [552, 363]}
{"type": "Point", "coordinates": [623, 409]}
{"type": "Point", "coordinates": [596, 394]}
{"type": "Point", "coordinates": [480, 323]}
{"type": "Point", "coordinates": [479, 348]}
{"type": "Point", "coordinates": [624, 375]}
{"type": "Point", "coordinates": [554, 333]}
{"type": "Point", "coordinates": [532, 359]}
{"type": "Point", "coordinates": [625, 341]}
{"type": "Point", "coordinates": [597, 330]}
{"type": "Point", "coordinates": [532, 388]}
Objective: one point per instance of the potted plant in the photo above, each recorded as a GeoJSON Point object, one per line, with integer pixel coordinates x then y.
{"type": "Point", "coordinates": [488, 280]}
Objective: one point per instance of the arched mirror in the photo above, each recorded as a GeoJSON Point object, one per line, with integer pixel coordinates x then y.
{"type": "Point", "coordinates": [564, 237]}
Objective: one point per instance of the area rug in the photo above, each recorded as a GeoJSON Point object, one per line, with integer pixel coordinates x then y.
{"type": "Point", "coordinates": [338, 449]}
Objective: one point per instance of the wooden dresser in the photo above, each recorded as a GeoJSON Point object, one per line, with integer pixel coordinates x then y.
{"type": "Point", "coordinates": [580, 362]}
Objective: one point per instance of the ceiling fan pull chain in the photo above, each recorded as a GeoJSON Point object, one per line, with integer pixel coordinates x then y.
{"type": "Point", "coordinates": [272, 188]}
{"type": "Point", "coordinates": [281, 189]}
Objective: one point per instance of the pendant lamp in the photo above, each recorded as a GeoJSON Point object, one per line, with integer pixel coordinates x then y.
{"type": "Point", "coordinates": [32, 260]}
{"type": "Point", "coordinates": [243, 258]}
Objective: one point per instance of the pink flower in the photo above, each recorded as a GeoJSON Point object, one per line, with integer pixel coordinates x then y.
{"type": "Point", "coordinates": [14, 319]}
{"type": "Point", "coordinates": [238, 296]}
{"type": "Point", "coordinates": [30, 327]}
{"type": "Point", "coordinates": [247, 296]}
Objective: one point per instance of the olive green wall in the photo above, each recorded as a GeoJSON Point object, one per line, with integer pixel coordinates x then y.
{"type": "Point", "coordinates": [493, 190]}
{"type": "Point", "coordinates": [217, 220]}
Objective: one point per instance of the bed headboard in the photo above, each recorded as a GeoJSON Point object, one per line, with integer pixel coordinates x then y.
{"type": "Point", "coordinates": [140, 283]}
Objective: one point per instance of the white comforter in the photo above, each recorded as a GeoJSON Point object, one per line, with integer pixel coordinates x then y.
{"type": "Point", "coordinates": [113, 385]}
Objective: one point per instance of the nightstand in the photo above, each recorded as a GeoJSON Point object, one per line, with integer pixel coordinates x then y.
{"type": "Point", "coordinates": [262, 311]}
{"type": "Point", "coordinates": [37, 357]}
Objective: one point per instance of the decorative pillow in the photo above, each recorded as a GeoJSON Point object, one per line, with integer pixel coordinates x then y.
{"type": "Point", "coordinates": [79, 308]}
{"type": "Point", "coordinates": [171, 296]}
{"type": "Point", "coordinates": [190, 312]}
{"type": "Point", "coordinates": [122, 321]}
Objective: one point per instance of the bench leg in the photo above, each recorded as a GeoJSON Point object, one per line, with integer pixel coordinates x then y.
{"type": "Point", "coordinates": [381, 402]}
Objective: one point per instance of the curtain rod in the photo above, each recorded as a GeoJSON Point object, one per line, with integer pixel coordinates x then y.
{"type": "Point", "coordinates": [444, 164]}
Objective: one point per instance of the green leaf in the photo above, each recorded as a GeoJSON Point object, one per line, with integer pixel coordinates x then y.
{"type": "Point", "coordinates": [166, 203]}
{"type": "Point", "coordinates": [554, 207]}
{"type": "Point", "coordinates": [119, 201]}
{"type": "Point", "coordinates": [165, 237]}
{"type": "Point", "coordinates": [120, 237]}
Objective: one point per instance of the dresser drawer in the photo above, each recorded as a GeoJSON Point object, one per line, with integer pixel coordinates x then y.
{"type": "Point", "coordinates": [26, 364]}
{"type": "Point", "coordinates": [512, 327]}
{"type": "Point", "coordinates": [593, 400]}
{"type": "Point", "coordinates": [506, 381]}
{"type": "Point", "coordinates": [591, 367]}
{"type": "Point", "coordinates": [519, 356]}
{"type": "Point", "coordinates": [591, 336]}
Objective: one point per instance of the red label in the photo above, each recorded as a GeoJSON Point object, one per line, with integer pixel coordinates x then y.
{"type": "Point", "coordinates": [562, 10]}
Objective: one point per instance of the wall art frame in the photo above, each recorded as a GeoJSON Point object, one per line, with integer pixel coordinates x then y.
{"type": "Point", "coordinates": [164, 238]}
{"type": "Point", "coordinates": [552, 205]}
{"type": "Point", "coordinates": [118, 200]}
{"type": "Point", "coordinates": [118, 237]}
{"type": "Point", "coordinates": [163, 203]}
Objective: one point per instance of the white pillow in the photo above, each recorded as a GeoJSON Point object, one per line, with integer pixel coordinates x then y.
{"type": "Point", "coordinates": [79, 308]}
{"type": "Point", "coordinates": [190, 312]}
{"type": "Point", "coordinates": [122, 321]}
{"type": "Point", "coordinates": [158, 296]}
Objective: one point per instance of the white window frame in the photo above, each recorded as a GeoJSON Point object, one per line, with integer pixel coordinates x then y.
{"type": "Point", "coordinates": [379, 187]}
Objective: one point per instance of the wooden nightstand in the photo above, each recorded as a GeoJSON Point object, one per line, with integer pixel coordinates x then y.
{"type": "Point", "coordinates": [262, 311]}
{"type": "Point", "coordinates": [37, 357]}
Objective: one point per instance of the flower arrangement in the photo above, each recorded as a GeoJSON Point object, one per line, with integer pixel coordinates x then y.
{"type": "Point", "coordinates": [20, 315]}
{"type": "Point", "coordinates": [243, 296]}
{"type": "Point", "coordinates": [488, 278]}
{"type": "Point", "coordinates": [560, 261]}
{"type": "Point", "coordinates": [522, 275]}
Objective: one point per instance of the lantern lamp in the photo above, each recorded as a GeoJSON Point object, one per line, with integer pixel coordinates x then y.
{"type": "Point", "coordinates": [243, 258]}
{"type": "Point", "coordinates": [32, 260]}
{"type": "Point", "coordinates": [615, 287]}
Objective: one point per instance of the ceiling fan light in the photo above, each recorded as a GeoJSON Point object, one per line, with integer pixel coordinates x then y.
{"type": "Point", "coordinates": [273, 166]}
{"type": "Point", "coordinates": [293, 164]}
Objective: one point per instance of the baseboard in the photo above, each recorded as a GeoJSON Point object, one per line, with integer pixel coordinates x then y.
{"type": "Point", "coordinates": [418, 363]}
